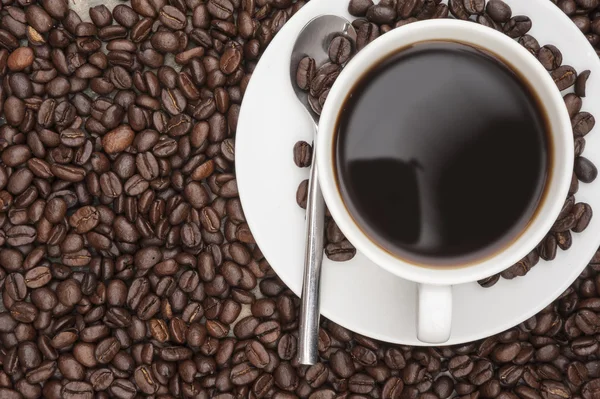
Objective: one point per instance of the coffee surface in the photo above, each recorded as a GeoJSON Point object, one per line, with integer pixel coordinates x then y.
{"type": "Point", "coordinates": [442, 154]}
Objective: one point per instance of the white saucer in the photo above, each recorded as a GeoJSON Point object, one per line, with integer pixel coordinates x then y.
{"type": "Point", "coordinates": [358, 294]}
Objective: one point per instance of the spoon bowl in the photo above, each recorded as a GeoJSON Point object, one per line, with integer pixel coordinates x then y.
{"type": "Point", "coordinates": [313, 42]}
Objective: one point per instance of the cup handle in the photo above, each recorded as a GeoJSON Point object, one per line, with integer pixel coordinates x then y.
{"type": "Point", "coordinates": [434, 313]}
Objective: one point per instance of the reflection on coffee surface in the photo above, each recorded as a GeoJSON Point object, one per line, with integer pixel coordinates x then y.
{"type": "Point", "coordinates": [442, 153]}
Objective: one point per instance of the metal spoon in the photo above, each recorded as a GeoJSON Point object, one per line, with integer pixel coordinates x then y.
{"type": "Point", "coordinates": [313, 41]}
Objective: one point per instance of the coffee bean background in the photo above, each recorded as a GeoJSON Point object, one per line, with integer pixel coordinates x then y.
{"type": "Point", "coordinates": [127, 269]}
{"type": "Point", "coordinates": [373, 20]}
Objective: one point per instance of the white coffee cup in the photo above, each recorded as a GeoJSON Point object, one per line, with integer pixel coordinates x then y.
{"type": "Point", "coordinates": [434, 315]}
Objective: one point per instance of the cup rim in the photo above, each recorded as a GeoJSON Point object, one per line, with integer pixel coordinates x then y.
{"type": "Point", "coordinates": [552, 101]}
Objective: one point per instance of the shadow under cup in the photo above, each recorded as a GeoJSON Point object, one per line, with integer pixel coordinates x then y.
{"type": "Point", "coordinates": [442, 153]}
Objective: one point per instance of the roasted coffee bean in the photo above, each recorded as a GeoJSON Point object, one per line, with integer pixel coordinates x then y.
{"type": "Point", "coordinates": [340, 50]}
{"type": "Point", "coordinates": [118, 139]}
{"type": "Point", "coordinates": [286, 377]}
{"type": "Point", "coordinates": [257, 355]}
{"type": "Point", "coordinates": [530, 43]}
{"type": "Point", "coordinates": [286, 349]}
{"type": "Point", "coordinates": [517, 26]}
{"type": "Point", "coordinates": [123, 389]}
{"type": "Point", "coordinates": [482, 372]}
{"type": "Point", "coordinates": [577, 374]}
{"type": "Point", "coordinates": [268, 332]}
{"type": "Point", "coordinates": [457, 8]}
{"type": "Point", "coordinates": [165, 42]}
{"type": "Point", "coordinates": [145, 381]}
{"type": "Point", "coordinates": [364, 356]}
{"type": "Point", "coordinates": [585, 170]}
{"type": "Point", "coordinates": [172, 17]}
{"type": "Point", "coordinates": [340, 252]}
{"type": "Point", "coordinates": [474, 6]}
{"type": "Point", "coordinates": [317, 375]}
{"type": "Point", "coordinates": [38, 277]}
{"type": "Point", "coordinates": [498, 10]}
{"type": "Point", "coordinates": [20, 235]}
{"type": "Point", "coordinates": [366, 34]}
{"type": "Point", "coordinates": [14, 110]}
{"type": "Point", "coordinates": [361, 383]}
{"type": "Point", "coordinates": [106, 350]}
{"type": "Point", "coordinates": [11, 259]}
{"type": "Point", "coordinates": [23, 312]}
{"type": "Point", "coordinates": [564, 77]}
{"type": "Point", "coordinates": [587, 4]}
{"type": "Point", "coordinates": [581, 82]}
{"type": "Point", "coordinates": [16, 155]}
{"type": "Point", "coordinates": [101, 379]}
{"type": "Point", "coordinates": [15, 286]}
{"type": "Point", "coordinates": [550, 57]}
{"type": "Point", "coordinates": [302, 193]}
{"type": "Point", "coordinates": [553, 389]}
{"type": "Point", "coordinates": [583, 123]}
{"type": "Point", "coordinates": [77, 389]}
{"type": "Point", "coordinates": [85, 219]}
{"type": "Point", "coordinates": [573, 103]}
{"type": "Point", "coordinates": [20, 59]}
{"type": "Point", "coordinates": [302, 154]}
{"type": "Point", "coordinates": [359, 8]}
{"type": "Point", "coordinates": [173, 101]}
{"type": "Point", "coordinates": [583, 346]}
{"type": "Point", "coordinates": [567, 6]}
{"type": "Point", "coordinates": [583, 215]}
{"type": "Point", "coordinates": [460, 366]}
{"type": "Point", "coordinates": [148, 306]}
{"type": "Point", "coordinates": [243, 374]}
{"type": "Point", "coordinates": [230, 60]}
{"type": "Point", "coordinates": [547, 249]}
{"type": "Point", "coordinates": [124, 15]}
{"type": "Point", "coordinates": [39, 19]}
{"type": "Point", "coordinates": [379, 14]}
{"type": "Point", "coordinates": [72, 137]}
{"type": "Point", "coordinates": [220, 9]}
{"type": "Point", "coordinates": [101, 16]}
{"type": "Point", "coordinates": [305, 73]}
{"type": "Point", "coordinates": [341, 364]}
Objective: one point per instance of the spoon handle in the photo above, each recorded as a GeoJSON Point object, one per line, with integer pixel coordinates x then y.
{"type": "Point", "coordinates": [308, 353]}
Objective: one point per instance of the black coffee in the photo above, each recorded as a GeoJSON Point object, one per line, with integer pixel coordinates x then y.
{"type": "Point", "coordinates": [442, 154]}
